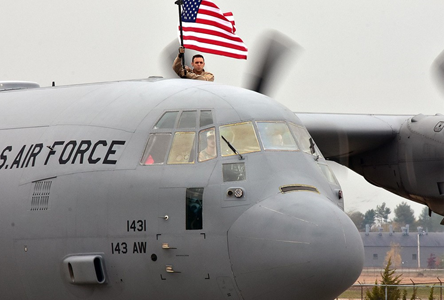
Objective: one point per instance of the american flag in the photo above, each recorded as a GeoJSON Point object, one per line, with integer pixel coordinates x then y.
{"type": "Point", "coordinates": [207, 29]}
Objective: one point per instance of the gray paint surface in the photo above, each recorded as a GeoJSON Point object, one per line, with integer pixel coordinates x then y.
{"type": "Point", "coordinates": [72, 185]}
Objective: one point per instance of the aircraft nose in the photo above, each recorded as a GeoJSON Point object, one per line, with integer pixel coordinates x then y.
{"type": "Point", "coordinates": [295, 246]}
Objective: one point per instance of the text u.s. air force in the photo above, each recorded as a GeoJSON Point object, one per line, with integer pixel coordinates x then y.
{"type": "Point", "coordinates": [62, 152]}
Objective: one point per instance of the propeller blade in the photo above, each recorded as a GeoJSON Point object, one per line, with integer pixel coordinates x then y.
{"type": "Point", "coordinates": [276, 54]}
{"type": "Point", "coordinates": [438, 71]}
{"type": "Point", "coordinates": [169, 53]}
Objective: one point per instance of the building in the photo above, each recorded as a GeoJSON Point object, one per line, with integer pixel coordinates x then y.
{"type": "Point", "coordinates": [413, 246]}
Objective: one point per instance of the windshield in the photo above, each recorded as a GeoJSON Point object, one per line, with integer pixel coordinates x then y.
{"type": "Point", "coordinates": [276, 136]}
{"type": "Point", "coordinates": [190, 136]}
{"type": "Point", "coordinates": [305, 141]}
{"type": "Point", "coordinates": [241, 136]}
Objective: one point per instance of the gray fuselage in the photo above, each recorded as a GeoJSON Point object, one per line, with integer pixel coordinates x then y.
{"type": "Point", "coordinates": [81, 194]}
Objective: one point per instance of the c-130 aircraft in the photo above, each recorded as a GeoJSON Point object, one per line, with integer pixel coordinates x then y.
{"type": "Point", "coordinates": [181, 189]}
{"type": "Point", "coordinates": [105, 195]}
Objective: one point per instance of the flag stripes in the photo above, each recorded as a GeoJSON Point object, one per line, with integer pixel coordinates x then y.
{"type": "Point", "coordinates": [206, 29]}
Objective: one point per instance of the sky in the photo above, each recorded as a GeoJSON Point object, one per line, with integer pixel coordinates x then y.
{"type": "Point", "coordinates": [358, 56]}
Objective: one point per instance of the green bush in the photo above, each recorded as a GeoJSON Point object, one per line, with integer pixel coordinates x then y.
{"type": "Point", "coordinates": [387, 278]}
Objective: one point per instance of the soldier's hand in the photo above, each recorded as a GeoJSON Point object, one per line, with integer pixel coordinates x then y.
{"type": "Point", "coordinates": [181, 52]}
{"type": "Point", "coordinates": [188, 69]}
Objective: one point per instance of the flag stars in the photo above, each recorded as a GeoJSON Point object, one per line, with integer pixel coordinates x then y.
{"type": "Point", "coordinates": [191, 7]}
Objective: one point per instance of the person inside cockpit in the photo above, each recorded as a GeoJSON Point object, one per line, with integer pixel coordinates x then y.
{"type": "Point", "coordinates": [277, 140]}
{"type": "Point", "coordinates": [210, 151]}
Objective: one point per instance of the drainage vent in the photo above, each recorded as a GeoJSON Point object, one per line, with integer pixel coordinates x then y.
{"type": "Point", "coordinates": [297, 188]}
{"type": "Point", "coordinates": [40, 195]}
{"type": "Point", "coordinates": [84, 269]}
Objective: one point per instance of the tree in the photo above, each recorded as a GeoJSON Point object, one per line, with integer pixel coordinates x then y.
{"type": "Point", "coordinates": [415, 291]}
{"type": "Point", "coordinates": [431, 261]}
{"type": "Point", "coordinates": [404, 214]}
{"type": "Point", "coordinates": [404, 294]}
{"type": "Point", "coordinates": [369, 217]}
{"type": "Point", "coordinates": [431, 223]}
{"type": "Point", "coordinates": [431, 292]}
{"type": "Point", "coordinates": [387, 278]}
{"type": "Point", "coordinates": [382, 212]}
{"type": "Point", "coordinates": [358, 218]}
{"type": "Point", "coordinates": [394, 255]}
{"type": "Point", "coordinates": [376, 293]}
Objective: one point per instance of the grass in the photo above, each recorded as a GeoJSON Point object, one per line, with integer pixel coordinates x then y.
{"type": "Point", "coordinates": [423, 292]}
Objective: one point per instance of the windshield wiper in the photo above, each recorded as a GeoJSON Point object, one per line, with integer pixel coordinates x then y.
{"type": "Point", "coordinates": [232, 148]}
{"type": "Point", "coordinates": [313, 149]}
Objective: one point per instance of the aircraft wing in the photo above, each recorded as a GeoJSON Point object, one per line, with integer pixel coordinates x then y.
{"type": "Point", "coordinates": [400, 153]}
{"type": "Point", "coordinates": [344, 135]}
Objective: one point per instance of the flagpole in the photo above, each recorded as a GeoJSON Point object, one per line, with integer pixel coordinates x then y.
{"type": "Point", "coordinates": [179, 4]}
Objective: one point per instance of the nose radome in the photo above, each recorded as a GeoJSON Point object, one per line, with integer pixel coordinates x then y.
{"type": "Point", "coordinates": [295, 246]}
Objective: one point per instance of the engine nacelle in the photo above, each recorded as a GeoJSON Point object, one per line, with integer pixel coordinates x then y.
{"type": "Point", "coordinates": [412, 164]}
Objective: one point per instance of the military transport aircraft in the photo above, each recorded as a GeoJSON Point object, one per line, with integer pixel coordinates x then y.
{"type": "Point", "coordinates": [181, 189]}
{"type": "Point", "coordinates": [166, 189]}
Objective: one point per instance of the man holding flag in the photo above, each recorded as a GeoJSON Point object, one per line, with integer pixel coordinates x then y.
{"type": "Point", "coordinates": [198, 64]}
{"type": "Point", "coordinates": [203, 27]}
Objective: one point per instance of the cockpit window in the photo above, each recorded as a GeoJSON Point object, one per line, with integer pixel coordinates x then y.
{"type": "Point", "coordinates": [234, 172]}
{"type": "Point", "coordinates": [304, 139]}
{"type": "Point", "coordinates": [168, 120]}
{"type": "Point", "coordinates": [173, 139]}
{"type": "Point", "coordinates": [328, 174]}
{"type": "Point", "coordinates": [187, 120]}
{"type": "Point", "coordinates": [276, 136]}
{"type": "Point", "coordinates": [207, 144]}
{"type": "Point", "coordinates": [206, 118]}
{"type": "Point", "coordinates": [156, 149]}
{"type": "Point", "coordinates": [182, 148]}
{"type": "Point", "coordinates": [241, 136]}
